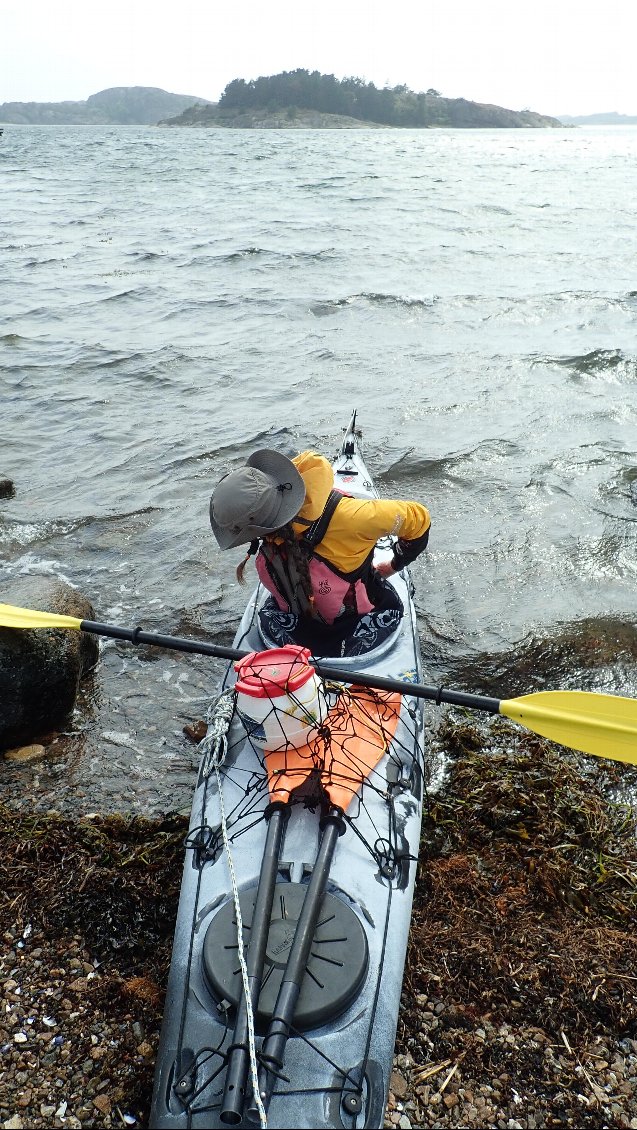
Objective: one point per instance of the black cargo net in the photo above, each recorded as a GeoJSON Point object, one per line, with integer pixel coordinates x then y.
{"type": "Point", "coordinates": [356, 751]}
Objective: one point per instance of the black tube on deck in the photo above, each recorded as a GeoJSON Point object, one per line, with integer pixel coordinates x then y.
{"type": "Point", "coordinates": [239, 1057]}
{"type": "Point", "coordinates": [273, 1047]}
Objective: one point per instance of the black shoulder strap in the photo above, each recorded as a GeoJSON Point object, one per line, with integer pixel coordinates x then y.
{"type": "Point", "coordinates": [314, 535]}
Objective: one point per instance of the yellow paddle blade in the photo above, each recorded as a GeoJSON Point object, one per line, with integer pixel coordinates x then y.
{"type": "Point", "coordinates": [602, 724]}
{"type": "Point", "coordinates": [12, 617]}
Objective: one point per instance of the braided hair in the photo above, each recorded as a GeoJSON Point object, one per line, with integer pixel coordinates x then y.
{"type": "Point", "coordinates": [297, 553]}
{"type": "Point", "coordinates": [240, 570]}
{"type": "Point", "coordinates": [293, 550]}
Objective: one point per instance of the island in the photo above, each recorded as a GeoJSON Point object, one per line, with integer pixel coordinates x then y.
{"type": "Point", "coordinates": [302, 99]}
{"type": "Point", "coordinates": [119, 105]}
{"type": "Point", "coordinates": [608, 118]}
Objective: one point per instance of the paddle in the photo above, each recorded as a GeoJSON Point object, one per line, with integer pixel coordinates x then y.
{"type": "Point", "coordinates": [601, 724]}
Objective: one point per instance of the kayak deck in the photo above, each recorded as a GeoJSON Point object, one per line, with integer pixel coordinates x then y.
{"type": "Point", "coordinates": [338, 1056]}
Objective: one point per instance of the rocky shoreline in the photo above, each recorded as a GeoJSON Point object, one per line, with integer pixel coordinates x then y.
{"type": "Point", "coordinates": [453, 113]}
{"type": "Point", "coordinates": [210, 117]}
{"type": "Point", "coordinates": [520, 994]}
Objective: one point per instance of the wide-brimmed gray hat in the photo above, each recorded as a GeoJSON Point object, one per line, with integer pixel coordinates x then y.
{"type": "Point", "coordinates": [256, 500]}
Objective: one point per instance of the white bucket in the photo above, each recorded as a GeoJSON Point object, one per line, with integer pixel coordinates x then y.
{"type": "Point", "coordinates": [280, 698]}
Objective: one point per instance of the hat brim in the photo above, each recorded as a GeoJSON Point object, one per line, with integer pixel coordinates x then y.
{"type": "Point", "coordinates": [286, 475]}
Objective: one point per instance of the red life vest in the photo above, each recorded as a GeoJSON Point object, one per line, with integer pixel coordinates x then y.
{"type": "Point", "coordinates": [329, 589]}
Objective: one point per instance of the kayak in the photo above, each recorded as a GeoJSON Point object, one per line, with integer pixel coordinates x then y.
{"type": "Point", "coordinates": [292, 928]}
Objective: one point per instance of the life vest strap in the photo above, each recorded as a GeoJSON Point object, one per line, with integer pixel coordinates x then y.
{"type": "Point", "coordinates": [314, 535]}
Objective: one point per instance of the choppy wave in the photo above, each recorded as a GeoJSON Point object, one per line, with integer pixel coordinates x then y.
{"type": "Point", "coordinates": [270, 254]}
{"type": "Point", "coordinates": [598, 361]}
{"type": "Point", "coordinates": [410, 466]}
{"type": "Point", "coordinates": [333, 305]}
{"type": "Point", "coordinates": [16, 534]}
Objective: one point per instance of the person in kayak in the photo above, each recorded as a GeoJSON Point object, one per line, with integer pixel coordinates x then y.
{"type": "Point", "coordinates": [314, 550]}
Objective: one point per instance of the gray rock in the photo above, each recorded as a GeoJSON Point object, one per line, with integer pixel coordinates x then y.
{"type": "Point", "coordinates": [40, 669]}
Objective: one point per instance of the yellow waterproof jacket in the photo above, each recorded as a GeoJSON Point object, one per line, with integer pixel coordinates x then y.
{"type": "Point", "coordinates": [357, 523]}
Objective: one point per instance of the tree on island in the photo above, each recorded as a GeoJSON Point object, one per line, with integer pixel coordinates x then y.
{"type": "Point", "coordinates": [351, 97]}
{"type": "Point", "coordinates": [292, 91]}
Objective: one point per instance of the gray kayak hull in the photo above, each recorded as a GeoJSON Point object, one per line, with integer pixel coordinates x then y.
{"type": "Point", "coordinates": [338, 1058]}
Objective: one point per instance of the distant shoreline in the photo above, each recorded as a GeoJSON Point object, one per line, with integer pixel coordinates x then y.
{"type": "Point", "coordinates": [293, 100]}
{"type": "Point", "coordinates": [265, 109]}
{"type": "Point", "coordinates": [608, 119]}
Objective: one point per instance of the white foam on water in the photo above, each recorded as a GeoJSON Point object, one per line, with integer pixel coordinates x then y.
{"type": "Point", "coordinates": [30, 565]}
{"type": "Point", "coordinates": [22, 533]}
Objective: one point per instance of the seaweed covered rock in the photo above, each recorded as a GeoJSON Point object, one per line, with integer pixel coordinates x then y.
{"type": "Point", "coordinates": [40, 670]}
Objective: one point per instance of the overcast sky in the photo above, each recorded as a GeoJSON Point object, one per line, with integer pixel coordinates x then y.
{"type": "Point", "coordinates": [552, 56]}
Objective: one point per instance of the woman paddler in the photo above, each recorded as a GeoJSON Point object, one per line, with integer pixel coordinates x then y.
{"type": "Point", "coordinates": [314, 551]}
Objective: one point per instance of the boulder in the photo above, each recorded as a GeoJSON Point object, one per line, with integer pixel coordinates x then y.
{"type": "Point", "coordinates": [40, 669]}
{"type": "Point", "coordinates": [25, 753]}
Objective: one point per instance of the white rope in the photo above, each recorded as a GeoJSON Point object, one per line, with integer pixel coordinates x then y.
{"type": "Point", "coordinates": [214, 748]}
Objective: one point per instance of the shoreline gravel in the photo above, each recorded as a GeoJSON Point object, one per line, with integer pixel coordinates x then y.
{"type": "Point", "coordinates": [520, 994]}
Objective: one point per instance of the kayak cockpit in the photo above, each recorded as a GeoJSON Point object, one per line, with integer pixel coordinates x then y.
{"type": "Point", "coordinates": [368, 637]}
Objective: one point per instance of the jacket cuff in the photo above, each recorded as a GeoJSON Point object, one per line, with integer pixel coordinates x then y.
{"type": "Point", "coordinates": [407, 551]}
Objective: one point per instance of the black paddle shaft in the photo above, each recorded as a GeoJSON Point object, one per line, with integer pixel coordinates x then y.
{"type": "Point", "coordinates": [378, 682]}
{"type": "Point", "coordinates": [174, 643]}
{"type": "Point", "coordinates": [417, 690]}
{"type": "Point", "coordinates": [238, 1052]}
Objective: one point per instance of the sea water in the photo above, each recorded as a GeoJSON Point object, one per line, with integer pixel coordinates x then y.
{"type": "Point", "coordinates": [173, 299]}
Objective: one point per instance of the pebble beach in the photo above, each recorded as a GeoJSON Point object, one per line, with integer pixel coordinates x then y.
{"type": "Point", "coordinates": [519, 1002]}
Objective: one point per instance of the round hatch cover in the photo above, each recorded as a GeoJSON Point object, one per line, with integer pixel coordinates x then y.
{"type": "Point", "coordinates": [335, 969]}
